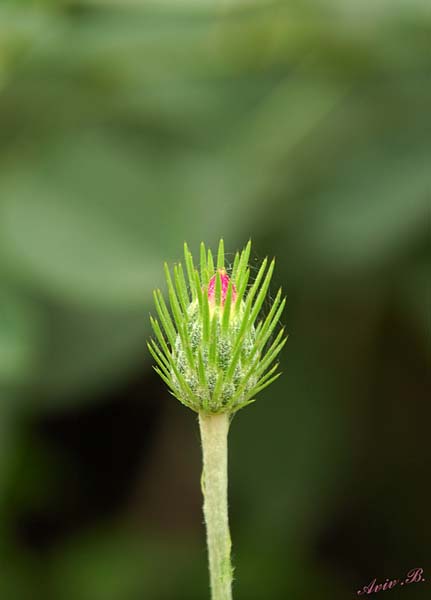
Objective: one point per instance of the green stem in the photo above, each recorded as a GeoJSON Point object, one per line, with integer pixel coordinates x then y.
{"type": "Point", "coordinates": [214, 430]}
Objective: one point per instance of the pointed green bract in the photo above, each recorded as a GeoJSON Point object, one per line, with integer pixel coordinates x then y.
{"type": "Point", "coordinates": [181, 289]}
{"type": "Point", "coordinates": [205, 319]}
{"type": "Point", "coordinates": [175, 306]}
{"type": "Point", "coordinates": [265, 333]}
{"type": "Point", "coordinates": [212, 351]}
{"type": "Point", "coordinates": [235, 265]}
{"type": "Point", "coordinates": [261, 387]}
{"type": "Point", "coordinates": [218, 289]}
{"type": "Point", "coordinates": [227, 309]}
{"type": "Point", "coordinates": [210, 263]}
{"type": "Point", "coordinates": [203, 264]}
{"type": "Point", "coordinates": [188, 258]}
{"type": "Point", "coordinates": [220, 255]}
{"type": "Point", "coordinates": [212, 347]}
{"type": "Point", "coordinates": [198, 288]}
{"type": "Point", "coordinates": [243, 287]}
{"type": "Point", "coordinates": [243, 263]}
{"type": "Point", "coordinates": [164, 316]}
{"type": "Point", "coordinates": [262, 292]}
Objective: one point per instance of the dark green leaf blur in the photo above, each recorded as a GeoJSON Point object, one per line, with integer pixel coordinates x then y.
{"type": "Point", "coordinates": [128, 127]}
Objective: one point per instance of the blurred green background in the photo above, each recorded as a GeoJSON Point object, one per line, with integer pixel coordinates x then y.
{"type": "Point", "coordinates": [127, 127]}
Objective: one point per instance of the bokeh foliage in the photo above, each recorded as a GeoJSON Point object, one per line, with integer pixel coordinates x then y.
{"type": "Point", "coordinates": [129, 127]}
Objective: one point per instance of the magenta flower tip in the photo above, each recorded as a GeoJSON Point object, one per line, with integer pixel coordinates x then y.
{"type": "Point", "coordinates": [224, 287]}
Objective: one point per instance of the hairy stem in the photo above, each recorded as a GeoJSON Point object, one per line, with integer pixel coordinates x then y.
{"type": "Point", "coordinates": [214, 430]}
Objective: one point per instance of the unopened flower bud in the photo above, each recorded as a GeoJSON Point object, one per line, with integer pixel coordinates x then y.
{"type": "Point", "coordinates": [214, 349]}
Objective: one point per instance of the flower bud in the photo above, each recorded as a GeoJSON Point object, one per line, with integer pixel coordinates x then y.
{"type": "Point", "coordinates": [214, 349]}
